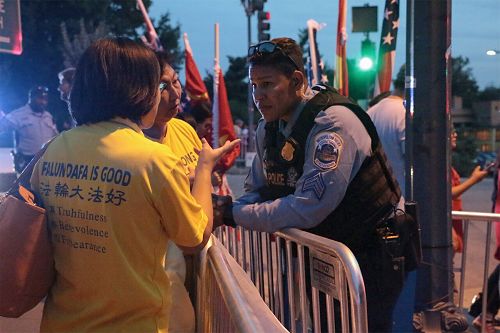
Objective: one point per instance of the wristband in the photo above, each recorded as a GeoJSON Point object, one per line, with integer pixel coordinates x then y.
{"type": "Point", "coordinates": [227, 216]}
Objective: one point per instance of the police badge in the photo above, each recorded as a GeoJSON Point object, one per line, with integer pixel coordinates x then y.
{"type": "Point", "coordinates": [288, 150]}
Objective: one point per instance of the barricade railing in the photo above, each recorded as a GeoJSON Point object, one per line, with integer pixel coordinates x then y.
{"type": "Point", "coordinates": [227, 301]}
{"type": "Point", "coordinates": [243, 147]}
{"type": "Point", "coordinates": [308, 282]}
{"type": "Point", "coordinates": [487, 218]}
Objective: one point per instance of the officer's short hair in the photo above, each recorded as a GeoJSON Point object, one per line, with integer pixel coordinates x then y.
{"type": "Point", "coordinates": [164, 59]}
{"type": "Point", "coordinates": [279, 61]}
{"type": "Point", "coordinates": [67, 75]}
{"type": "Point", "coordinates": [38, 91]}
{"type": "Point", "coordinates": [115, 77]}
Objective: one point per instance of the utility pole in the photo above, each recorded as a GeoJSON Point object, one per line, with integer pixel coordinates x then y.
{"type": "Point", "coordinates": [428, 86]}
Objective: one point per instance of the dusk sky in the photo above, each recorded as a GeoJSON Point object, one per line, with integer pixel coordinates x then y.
{"type": "Point", "coordinates": [475, 29]}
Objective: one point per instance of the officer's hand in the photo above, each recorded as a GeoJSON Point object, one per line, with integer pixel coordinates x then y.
{"type": "Point", "coordinates": [219, 204]}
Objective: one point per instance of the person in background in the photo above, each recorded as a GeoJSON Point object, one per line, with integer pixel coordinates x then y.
{"type": "Point", "coordinates": [182, 139]}
{"type": "Point", "coordinates": [493, 297]}
{"type": "Point", "coordinates": [65, 84]}
{"type": "Point", "coordinates": [238, 125]}
{"type": "Point", "coordinates": [32, 125]}
{"type": "Point", "coordinates": [187, 117]}
{"type": "Point", "coordinates": [388, 116]}
{"type": "Point", "coordinates": [115, 198]}
{"type": "Point", "coordinates": [457, 189]}
{"type": "Point", "coordinates": [202, 114]}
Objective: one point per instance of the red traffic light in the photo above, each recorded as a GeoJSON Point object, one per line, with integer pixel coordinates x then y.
{"type": "Point", "coordinates": [264, 16]}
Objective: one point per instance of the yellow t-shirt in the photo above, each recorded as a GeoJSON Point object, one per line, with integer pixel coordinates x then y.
{"type": "Point", "coordinates": [182, 138]}
{"type": "Point", "coordinates": [114, 199]}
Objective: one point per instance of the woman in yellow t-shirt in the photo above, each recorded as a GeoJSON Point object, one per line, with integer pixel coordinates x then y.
{"type": "Point", "coordinates": [114, 198]}
{"type": "Point", "coordinates": [182, 139]}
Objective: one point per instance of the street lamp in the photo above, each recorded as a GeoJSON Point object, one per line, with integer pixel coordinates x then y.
{"type": "Point", "coordinates": [492, 52]}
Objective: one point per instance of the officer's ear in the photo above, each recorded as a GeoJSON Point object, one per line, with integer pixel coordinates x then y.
{"type": "Point", "coordinates": [298, 81]}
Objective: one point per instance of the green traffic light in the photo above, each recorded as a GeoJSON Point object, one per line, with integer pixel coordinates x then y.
{"type": "Point", "coordinates": [365, 64]}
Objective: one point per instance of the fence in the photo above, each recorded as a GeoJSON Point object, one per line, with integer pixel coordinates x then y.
{"type": "Point", "coordinates": [307, 281]}
{"type": "Point", "coordinates": [243, 148]}
{"type": "Point", "coordinates": [467, 217]}
{"type": "Point", "coordinates": [227, 301]}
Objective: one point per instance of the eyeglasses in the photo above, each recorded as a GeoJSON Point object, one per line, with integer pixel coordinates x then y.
{"type": "Point", "coordinates": [268, 47]}
{"type": "Point", "coordinates": [163, 86]}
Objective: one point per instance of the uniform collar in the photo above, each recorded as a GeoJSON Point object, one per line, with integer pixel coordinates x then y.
{"type": "Point", "coordinates": [38, 114]}
{"type": "Point", "coordinates": [286, 127]}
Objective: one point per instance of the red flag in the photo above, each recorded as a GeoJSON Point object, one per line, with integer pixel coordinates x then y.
{"type": "Point", "coordinates": [225, 125]}
{"type": "Point", "coordinates": [341, 77]}
{"type": "Point", "coordinates": [387, 50]}
{"type": "Point", "coordinates": [195, 87]}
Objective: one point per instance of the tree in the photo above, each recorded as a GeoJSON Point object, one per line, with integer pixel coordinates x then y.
{"type": "Point", "coordinates": [463, 83]}
{"type": "Point", "coordinates": [74, 47]}
{"type": "Point", "coordinates": [42, 57]}
{"type": "Point", "coordinates": [56, 32]}
{"type": "Point", "coordinates": [465, 153]}
{"type": "Point", "coordinates": [169, 37]}
{"type": "Point", "coordinates": [490, 93]}
{"type": "Point", "coordinates": [236, 79]}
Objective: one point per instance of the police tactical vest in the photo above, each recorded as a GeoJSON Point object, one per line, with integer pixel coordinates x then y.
{"type": "Point", "coordinates": [370, 196]}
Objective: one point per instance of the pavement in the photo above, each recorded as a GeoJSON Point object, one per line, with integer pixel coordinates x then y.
{"type": "Point", "coordinates": [476, 199]}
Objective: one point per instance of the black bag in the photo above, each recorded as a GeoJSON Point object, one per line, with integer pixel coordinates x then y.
{"type": "Point", "coordinates": [400, 237]}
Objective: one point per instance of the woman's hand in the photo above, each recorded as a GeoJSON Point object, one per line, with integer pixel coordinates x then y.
{"type": "Point", "coordinates": [209, 156]}
{"type": "Point", "coordinates": [477, 174]}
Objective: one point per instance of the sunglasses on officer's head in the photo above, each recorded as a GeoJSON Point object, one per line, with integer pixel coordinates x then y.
{"type": "Point", "coordinates": [268, 47]}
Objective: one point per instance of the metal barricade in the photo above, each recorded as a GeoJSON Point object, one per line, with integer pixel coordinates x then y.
{"type": "Point", "coordinates": [309, 282]}
{"type": "Point", "coordinates": [467, 217]}
{"type": "Point", "coordinates": [243, 148]}
{"type": "Point", "coordinates": [227, 301]}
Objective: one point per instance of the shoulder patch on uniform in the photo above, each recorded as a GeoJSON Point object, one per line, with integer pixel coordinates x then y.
{"type": "Point", "coordinates": [315, 184]}
{"type": "Point", "coordinates": [327, 150]}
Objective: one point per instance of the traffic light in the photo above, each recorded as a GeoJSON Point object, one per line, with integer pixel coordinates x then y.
{"type": "Point", "coordinates": [263, 25]}
{"type": "Point", "coordinates": [257, 5]}
{"type": "Point", "coordinates": [367, 61]}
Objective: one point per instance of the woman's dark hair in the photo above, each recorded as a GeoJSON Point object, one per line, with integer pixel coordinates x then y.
{"type": "Point", "coordinates": [201, 111]}
{"type": "Point", "coordinates": [279, 60]}
{"type": "Point", "coordinates": [115, 77]}
{"type": "Point", "coordinates": [164, 59]}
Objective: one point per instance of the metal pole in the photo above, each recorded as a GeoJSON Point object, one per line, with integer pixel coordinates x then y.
{"type": "Point", "coordinates": [431, 148]}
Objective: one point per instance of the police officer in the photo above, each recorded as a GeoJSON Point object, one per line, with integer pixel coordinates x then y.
{"type": "Point", "coordinates": [319, 167]}
{"type": "Point", "coordinates": [33, 126]}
